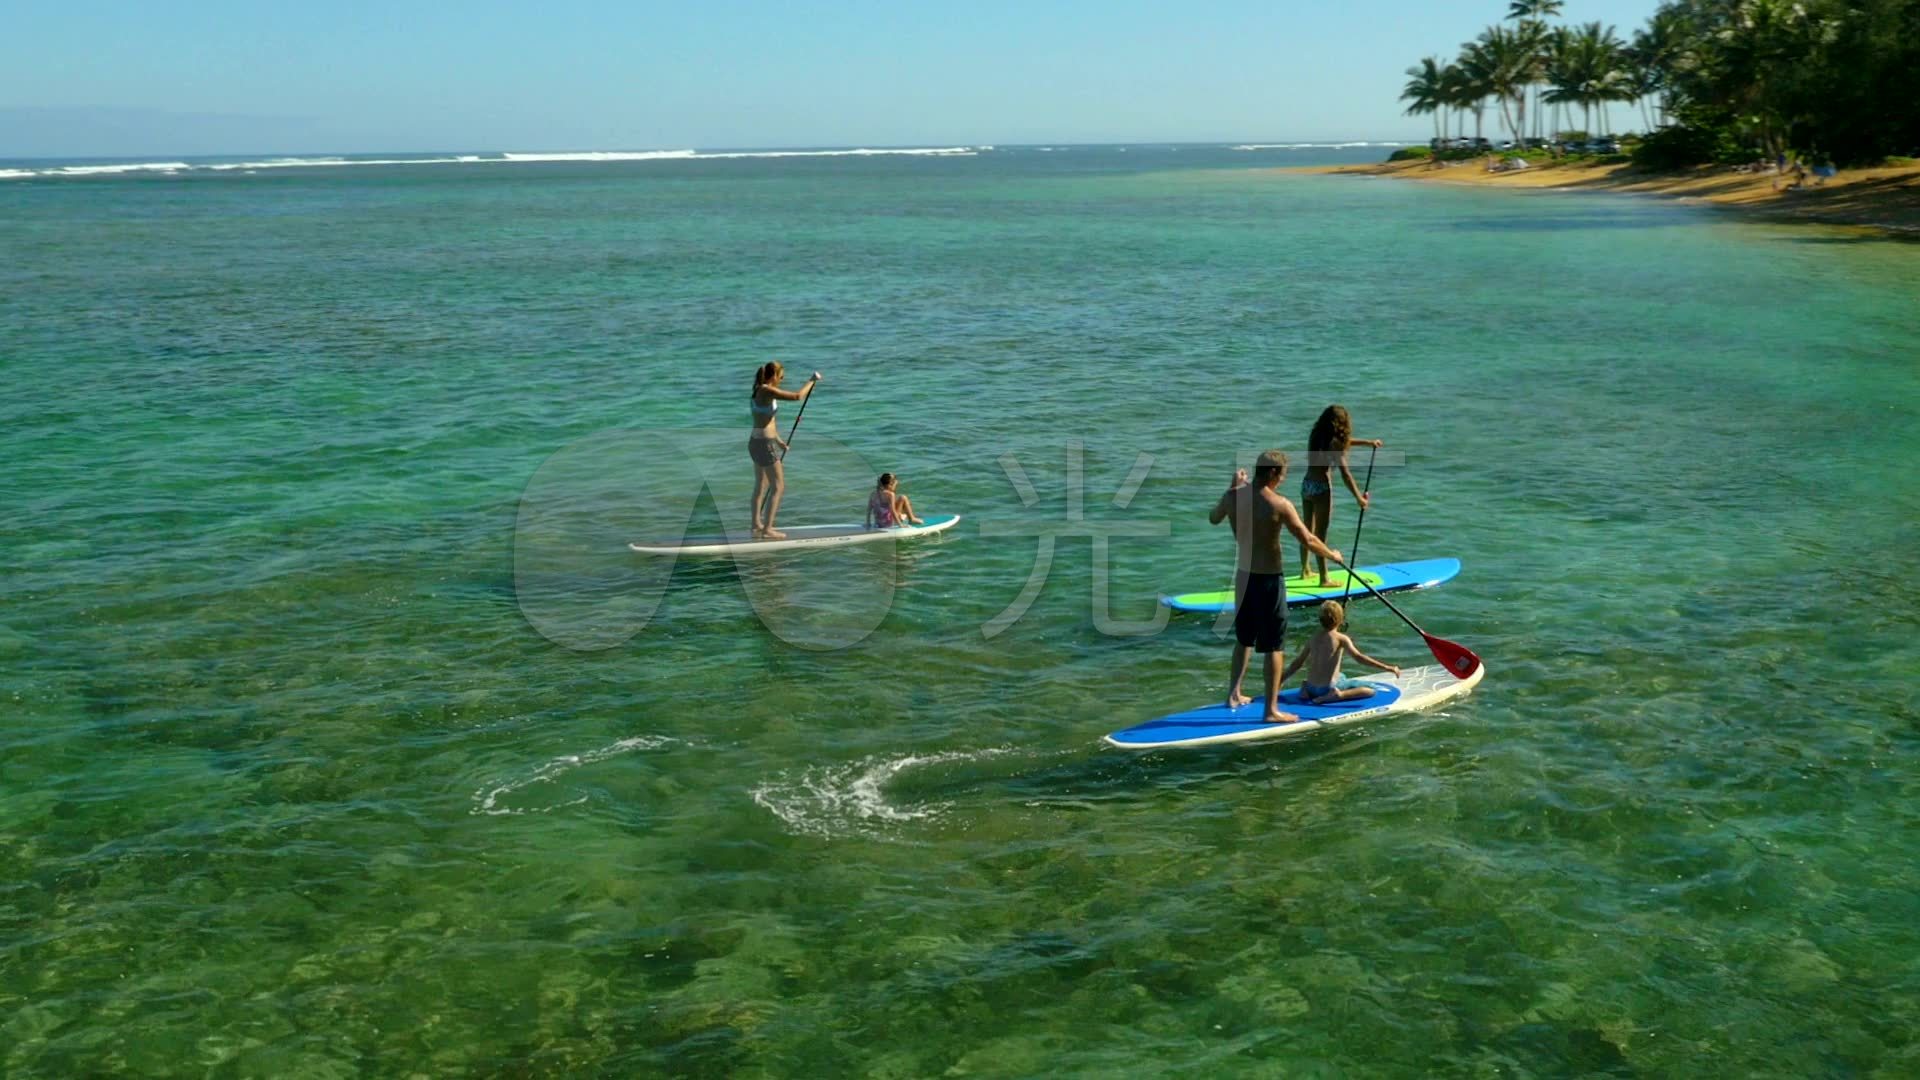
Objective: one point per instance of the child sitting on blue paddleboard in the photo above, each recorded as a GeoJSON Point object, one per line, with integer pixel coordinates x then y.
{"type": "Point", "coordinates": [1327, 450]}
{"type": "Point", "coordinates": [1322, 657]}
{"type": "Point", "coordinates": [886, 507]}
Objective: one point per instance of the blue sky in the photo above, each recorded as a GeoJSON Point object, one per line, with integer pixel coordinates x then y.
{"type": "Point", "coordinates": [220, 76]}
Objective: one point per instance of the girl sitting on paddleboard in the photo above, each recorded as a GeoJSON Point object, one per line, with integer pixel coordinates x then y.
{"type": "Point", "coordinates": [886, 507]}
{"type": "Point", "coordinates": [766, 448]}
{"type": "Point", "coordinates": [1322, 657]}
{"type": "Point", "coordinates": [1327, 448]}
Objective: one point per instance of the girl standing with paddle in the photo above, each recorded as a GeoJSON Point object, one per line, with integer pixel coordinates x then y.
{"type": "Point", "coordinates": [1326, 449]}
{"type": "Point", "coordinates": [765, 446]}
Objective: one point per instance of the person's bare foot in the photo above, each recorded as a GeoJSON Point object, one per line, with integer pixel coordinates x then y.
{"type": "Point", "coordinates": [771, 533]}
{"type": "Point", "coordinates": [1237, 699]}
{"type": "Point", "coordinates": [1274, 717]}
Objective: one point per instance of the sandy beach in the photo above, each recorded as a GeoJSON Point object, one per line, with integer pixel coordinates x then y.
{"type": "Point", "coordinates": [1885, 198]}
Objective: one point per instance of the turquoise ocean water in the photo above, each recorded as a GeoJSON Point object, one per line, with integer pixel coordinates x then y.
{"type": "Point", "coordinates": [343, 737]}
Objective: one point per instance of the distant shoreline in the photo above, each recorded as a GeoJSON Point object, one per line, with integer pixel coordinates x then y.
{"type": "Point", "coordinates": [1886, 199]}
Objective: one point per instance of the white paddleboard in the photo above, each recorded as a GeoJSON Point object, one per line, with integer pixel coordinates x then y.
{"type": "Point", "coordinates": [799, 538]}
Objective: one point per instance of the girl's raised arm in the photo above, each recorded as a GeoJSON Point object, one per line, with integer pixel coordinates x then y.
{"type": "Point", "coordinates": [1354, 651]}
{"type": "Point", "coordinates": [793, 395]}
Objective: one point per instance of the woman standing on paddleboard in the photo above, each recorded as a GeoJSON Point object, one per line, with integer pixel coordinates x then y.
{"type": "Point", "coordinates": [766, 448]}
{"type": "Point", "coordinates": [1326, 449]}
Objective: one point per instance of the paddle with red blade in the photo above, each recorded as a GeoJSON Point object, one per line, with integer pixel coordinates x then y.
{"type": "Point", "coordinates": [1455, 657]}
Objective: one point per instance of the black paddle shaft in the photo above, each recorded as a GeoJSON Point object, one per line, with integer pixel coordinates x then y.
{"type": "Point", "coordinates": [797, 417]}
{"type": "Point", "coordinates": [1353, 554]}
{"type": "Point", "coordinates": [1378, 596]}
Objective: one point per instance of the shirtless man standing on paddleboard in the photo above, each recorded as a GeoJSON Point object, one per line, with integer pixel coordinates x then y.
{"type": "Point", "coordinates": [1256, 513]}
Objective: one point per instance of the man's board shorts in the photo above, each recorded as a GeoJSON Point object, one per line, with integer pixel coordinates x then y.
{"type": "Point", "coordinates": [1260, 613]}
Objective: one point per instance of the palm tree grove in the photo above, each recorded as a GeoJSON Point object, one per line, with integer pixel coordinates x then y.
{"type": "Point", "coordinates": [1709, 81]}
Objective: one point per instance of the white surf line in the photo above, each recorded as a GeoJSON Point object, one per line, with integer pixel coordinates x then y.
{"type": "Point", "coordinates": [492, 158]}
{"type": "Point", "coordinates": [487, 799]}
{"type": "Point", "coordinates": [1304, 146]}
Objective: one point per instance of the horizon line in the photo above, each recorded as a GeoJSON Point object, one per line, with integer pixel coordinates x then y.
{"type": "Point", "coordinates": [1265, 142]}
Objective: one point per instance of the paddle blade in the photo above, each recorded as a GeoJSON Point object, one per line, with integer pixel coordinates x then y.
{"type": "Point", "coordinates": [1455, 657]}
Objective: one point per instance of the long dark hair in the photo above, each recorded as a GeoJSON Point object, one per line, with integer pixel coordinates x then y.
{"type": "Point", "coordinates": [1331, 435]}
{"type": "Point", "coordinates": [766, 375]}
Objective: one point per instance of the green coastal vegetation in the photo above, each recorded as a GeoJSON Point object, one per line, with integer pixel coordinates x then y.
{"type": "Point", "coordinates": [1713, 81]}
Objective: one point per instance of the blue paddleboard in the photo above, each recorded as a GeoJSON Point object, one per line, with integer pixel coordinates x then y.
{"type": "Point", "coordinates": [1413, 690]}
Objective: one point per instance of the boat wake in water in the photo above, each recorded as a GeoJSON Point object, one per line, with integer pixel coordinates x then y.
{"type": "Point", "coordinates": [495, 798]}
{"type": "Point", "coordinates": [840, 800]}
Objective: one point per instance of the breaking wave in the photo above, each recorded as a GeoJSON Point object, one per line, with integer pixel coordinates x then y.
{"type": "Point", "coordinates": [336, 161]}
{"type": "Point", "coordinates": [1308, 145]}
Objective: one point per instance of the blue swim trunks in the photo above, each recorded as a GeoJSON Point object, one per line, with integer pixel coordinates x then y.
{"type": "Point", "coordinates": [1310, 691]}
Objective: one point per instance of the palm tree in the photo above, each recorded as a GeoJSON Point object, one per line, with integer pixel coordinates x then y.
{"type": "Point", "coordinates": [1532, 15]}
{"type": "Point", "coordinates": [1657, 51]}
{"type": "Point", "coordinates": [1558, 55]}
{"type": "Point", "coordinates": [1465, 93]}
{"type": "Point", "coordinates": [1535, 37]}
{"type": "Point", "coordinates": [1425, 90]}
{"type": "Point", "coordinates": [1563, 77]}
{"type": "Point", "coordinates": [1534, 10]}
{"type": "Point", "coordinates": [1588, 68]}
{"type": "Point", "coordinates": [1642, 81]}
{"type": "Point", "coordinates": [1759, 48]}
{"type": "Point", "coordinates": [1611, 76]}
{"type": "Point", "coordinates": [1839, 75]}
{"type": "Point", "coordinates": [1501, 62]}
